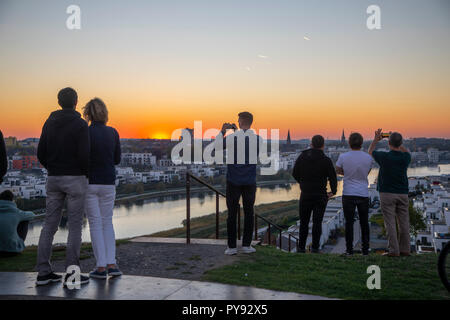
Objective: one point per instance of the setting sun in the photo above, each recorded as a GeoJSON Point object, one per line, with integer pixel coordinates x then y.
{"type": "Point", "coordinates": [160, 135]}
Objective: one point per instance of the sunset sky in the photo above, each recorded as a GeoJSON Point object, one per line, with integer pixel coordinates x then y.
{"type": "Point", "coordinates": [308, 66]}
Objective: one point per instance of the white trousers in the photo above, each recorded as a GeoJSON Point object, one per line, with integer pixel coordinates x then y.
{"type": "Point", "coordinates": [99, 210]}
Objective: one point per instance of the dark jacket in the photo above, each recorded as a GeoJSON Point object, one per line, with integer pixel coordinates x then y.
{"type": "Point", "coordinates": [64, 144]}
{"type": "Point", "coordinates": [3, 159]}
{"type": "Point", "coordinates": [105, 154]}
{"type": "Point", "coordinates": [312, 170]}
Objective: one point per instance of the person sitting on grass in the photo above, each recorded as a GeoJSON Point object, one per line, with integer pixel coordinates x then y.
{"type": "Point", "coordinates": [13, 225]}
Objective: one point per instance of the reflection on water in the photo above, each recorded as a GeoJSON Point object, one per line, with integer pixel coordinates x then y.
{"type": "Point", "coordinates": [166, 212]}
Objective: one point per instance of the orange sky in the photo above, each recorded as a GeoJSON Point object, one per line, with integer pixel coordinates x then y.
{"type": "Point", "coordinates": [163, 72]}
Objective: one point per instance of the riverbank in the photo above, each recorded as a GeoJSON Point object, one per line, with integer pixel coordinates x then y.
{"type": "Point", "coordinates": [282, 213]}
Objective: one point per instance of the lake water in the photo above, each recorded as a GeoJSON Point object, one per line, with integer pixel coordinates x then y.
{"type": "Point", "coordinates": [163, 213]}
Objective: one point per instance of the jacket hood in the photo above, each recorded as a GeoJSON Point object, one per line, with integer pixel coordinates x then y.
{"type": "Point", "coordinates": [312, 154]}
{"type": "Point", "coordinates": [62, 117]}
{"type": "Point", "coordinates": [6, 206]}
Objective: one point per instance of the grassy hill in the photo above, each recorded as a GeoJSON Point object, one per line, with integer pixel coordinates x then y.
{"type": "Point", "coordinates": [335, 276]}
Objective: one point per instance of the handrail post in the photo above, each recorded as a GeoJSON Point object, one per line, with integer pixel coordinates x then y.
{"type": "Point", "coordinates": [289, 237]}
{"type": "Point", "coordinates": [188, 208]}
{"type": "Point", "coordinates": [217, 215]}
{"type": "Point", "coordinates": [268, 238]}
{"type": "Point", "coordinates": [256, 227]}
{"type": "Point", "coordinates": [281, 233]}
{"type": "Point", "coordinates": [239, 221]}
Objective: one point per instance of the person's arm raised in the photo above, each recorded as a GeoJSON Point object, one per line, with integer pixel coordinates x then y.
{"type": "Point", "coordinates": [376, 139]}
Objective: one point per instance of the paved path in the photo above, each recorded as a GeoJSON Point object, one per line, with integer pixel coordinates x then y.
{"type": "Point", "coordinates": [20, 285]}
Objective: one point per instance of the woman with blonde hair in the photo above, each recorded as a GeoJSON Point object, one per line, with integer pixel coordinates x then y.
{"type": "Point", "coordinates": [104, 155]}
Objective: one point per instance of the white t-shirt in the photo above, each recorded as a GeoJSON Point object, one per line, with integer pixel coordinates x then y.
{"type": "Point", "coordinates": [356, 166]}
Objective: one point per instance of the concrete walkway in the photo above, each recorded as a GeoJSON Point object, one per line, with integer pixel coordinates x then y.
{"type": "Point", "coordinates": [22, 284]}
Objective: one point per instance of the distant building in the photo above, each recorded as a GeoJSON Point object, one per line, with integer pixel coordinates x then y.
{"type": "Point", "coordinates": [25, 162]}
{"type": "Point", "coordinates": [433, 155]}
{"type": "Point", "coordinates": [143, 159]}
{"type": "Point", "coordinates": [29, 142]}
{"type": "Point", "coordinates": [10, 141]}
{"type": "Point", "coordinates": [343, 141]}
{"type": "Point", "coordinates": [288, 140]}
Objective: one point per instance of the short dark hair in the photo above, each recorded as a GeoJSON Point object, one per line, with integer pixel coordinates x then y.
{"type": "Point", "coordinates": [247, 117]}
{"type": "Point", "coordinates": [67, 98]}
{"type": "Point", "coordinates": [355, 140]}
{"type": "Point", "coordinates": [317, 141]}
{"type": "Point", "coordinates": [7, 195]}
{"type": "Point", "coordinates": [395, 139]}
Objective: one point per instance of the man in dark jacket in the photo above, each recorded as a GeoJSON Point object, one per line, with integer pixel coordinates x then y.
{"type": "Point", "coordinates": [64, 151]}
{"type": "Point", "coordinates": [3, 159]}
{"type": "Point", "coordinates": [312, 171]}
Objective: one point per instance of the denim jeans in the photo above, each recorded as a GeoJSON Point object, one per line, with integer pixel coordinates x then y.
{"type": "Point", "coordinates": [349, 204]}
{"type": "Point", "coordinates": [234, 192]}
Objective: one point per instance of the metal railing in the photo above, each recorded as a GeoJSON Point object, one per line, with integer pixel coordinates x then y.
{"type": "Point", "coordinates": [269, 233]}
{"type": "Point", "coordinates": [190, 176]}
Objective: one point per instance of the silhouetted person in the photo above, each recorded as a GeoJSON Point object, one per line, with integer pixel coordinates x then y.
{"type": "Point", "coordinates": [101, 192]}
{"type": "Point", "coordinates": [13, 225]}
{"type": "Point", "coordinates": [241, 180]}
{"type": "Point", "coordinates": [393, 187]}
{"type": "Point", "coordinates": [355, 166]}
{"type": "Point", "coordinates": [64, 151]}
{"type": "Point", "coordinates": [312, 170]}
{"type": "Point", "coordinates": [3, 158]}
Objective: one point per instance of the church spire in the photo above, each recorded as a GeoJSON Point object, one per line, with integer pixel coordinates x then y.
{"type": "Point", "coordinates": [288, 140]}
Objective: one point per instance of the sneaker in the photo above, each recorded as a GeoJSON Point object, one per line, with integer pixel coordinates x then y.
{"type": "Point", "coordinates": [231, 251]}
{"type": "Point", "coordinates": [248, 249]}
{"type": "Point", "coordinates": [365, 253]}
{"type": "Point", "coordinates": [114, 272]}
{"type": "Point", "coordinates": [83, 280]}
{"type": "Point", "coordinates": [98, 274]}
{"type": "Point", "coordinates": [315, 251]}
{"type": "Point", "coordinates": [51, 277]}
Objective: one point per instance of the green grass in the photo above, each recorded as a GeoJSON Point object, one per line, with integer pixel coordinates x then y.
{"type": "Point", "coordinates": [334, 276]}
{"type": "Point", "coordinates": [204, 227]}
{"type": "Point", "coordinates": [26, 261]}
